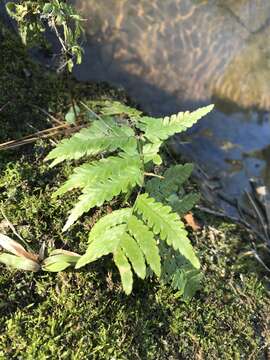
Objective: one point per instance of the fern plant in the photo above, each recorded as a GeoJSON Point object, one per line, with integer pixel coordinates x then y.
{"type": "Point", "coordinates": [120, 147]}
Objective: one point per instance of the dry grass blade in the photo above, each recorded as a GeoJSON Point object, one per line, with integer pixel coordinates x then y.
{"type": "Point", "coordinates": [15, 248]}
{"type": "Point", "coordinates": [260, 216]}
{"type": "Point", "coordinates": [43, 134]}
{"type": "Point", "coordinates": [53, 118]}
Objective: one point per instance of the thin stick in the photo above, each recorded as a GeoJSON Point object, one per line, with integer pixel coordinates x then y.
{"type": "Point", "coordinates": [91, 111]}
{"type": "Point", "coordinates": [50, 116]}
{"type": "Point", "coordinates": [259, 259]}
{"type": "Point", "coordinates": [41, 132]}
{"type": "Point", "coordinates": [16, 143]}
{"type": "Point", "coordinates": [260, 217]}
{"type": "Point", "coordinates": [217, 213]}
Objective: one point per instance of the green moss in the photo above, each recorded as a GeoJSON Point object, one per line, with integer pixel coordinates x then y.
{"type": "Point", "coordinates": [84, 314]}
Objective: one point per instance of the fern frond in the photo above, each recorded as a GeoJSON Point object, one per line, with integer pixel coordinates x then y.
{"type": "Point", "coordinates": [161, 129]}
{"type": "Point", "coordinates": [100, 191]}
{"type": "Point", "coordinates": [167, 225]}
{"type": "Point", "coordinates": [97, 171]}
{"type": "Point", "coordinates": [174, 178]}
{"type": "Point", "coordinates": [185, 204]}
{"type": "Point", "coordinates": [132, 235]}
{"type": "Point", "coordinates": [105, 135]}
{"type": "Point", "coordinates": [169, 190]}
{"type": "Point", "coordinates": [178, 272]}
{"type": "Point", "coordinates": [187, 282]}
{"type": "Point", "coordinates": [145, 239]}
{"type": "Point", "coordinates": [129, 240]}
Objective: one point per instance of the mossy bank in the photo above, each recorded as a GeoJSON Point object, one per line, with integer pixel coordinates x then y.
{"type": "Point", "coordinates": [84, 314]}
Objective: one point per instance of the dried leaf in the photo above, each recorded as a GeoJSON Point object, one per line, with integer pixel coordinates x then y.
{"type": "Point", "coordinates": [15, 248]}
{"type": "Point", "coordinates": [192, 222]}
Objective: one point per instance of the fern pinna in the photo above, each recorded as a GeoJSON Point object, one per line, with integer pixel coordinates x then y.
{"type": "Point", "coordinates": [119, 149]}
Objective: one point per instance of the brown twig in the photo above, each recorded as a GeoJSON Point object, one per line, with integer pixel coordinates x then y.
{"type": "Point", "coordinates": [43, 134]}
{"type": "Point", "coordinates": [51, 116]}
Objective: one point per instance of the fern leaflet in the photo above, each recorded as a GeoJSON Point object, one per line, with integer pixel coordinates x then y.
{"type": "Point", "coordinates": [101, 136]}
{"type": "Point", "coordinates": [124, 268]}
{"type": "Point", "coordinates": [179, 273]}
{"type": "Point", "coordinates": [147, 243]}
{"type": "Point", "coordinates": [98, 192]}
{"type": "Point", "coordinates": [150, 153]}
{"type": "Point", "coordinates": [97, 171]}
{"type": "Point", "coordinates": [185, 204]}
{"type": "Point", "coordinates": [170, 191]}
{"type": "Point", "coordinates": [161, 129]}
{"type": "Point", "coordinates": [167, 225]}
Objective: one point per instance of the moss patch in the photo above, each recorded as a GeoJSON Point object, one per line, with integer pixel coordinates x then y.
{"type": "Point", "coordinates": [84, 314]}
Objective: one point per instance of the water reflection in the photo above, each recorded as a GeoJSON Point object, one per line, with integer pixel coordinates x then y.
{"type": "Point", "coordinates": [178, 54]}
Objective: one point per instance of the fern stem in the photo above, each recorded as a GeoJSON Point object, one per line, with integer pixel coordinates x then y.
{"type": "Point", "coordinates": [97, 116]}
{"type": "Point", "coordinates": [154, 175]}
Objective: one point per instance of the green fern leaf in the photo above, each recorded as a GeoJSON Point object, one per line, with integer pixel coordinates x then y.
{"type": "Point", "coordinates": [167, 225]}
{"type": "Point", "coordinates": [103, 245]}
{"type": "Point", "coordinates": [124, 269]}
{"type": "Point", "coordinates": [169, 190]}
{"type": "Point", "coordinates": [129, 240]}
{"type": "Point", "coordinates": [176, 175]}
{"type": "Point", "coordinates": [184, 205]}
{"type": "Point", "coordinates": [178, 272]}
{"type": "Point", "coordinates": [134, 254]}
{"type": "Point", "coordinates": [162, 128]}
{"type": "Point", "coordinates": [97, 171]}
{"type": "Point", "coordinates": [187, 282]}
{"type": "Point", "coordinates": [105, 135]}
{"type": "Point", "coordinates": [106, 235]}
{"type": "Point", "coordinates": [174, 178]}
{"type": "Point", "coordinates": [131, 248]}
{"type": "Point", "coordinates": [147, 243]}
{"type": "Point", "coordinates": [97, 193]}
{"type": "Point", "coordinates": [117, 217]}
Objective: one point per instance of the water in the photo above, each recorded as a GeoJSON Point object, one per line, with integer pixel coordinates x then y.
{"type": "Point", "coordinates": [174, 55]}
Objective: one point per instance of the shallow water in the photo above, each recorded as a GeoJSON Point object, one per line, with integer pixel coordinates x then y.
{"type": "Point", "coordinates": [179, 54]}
